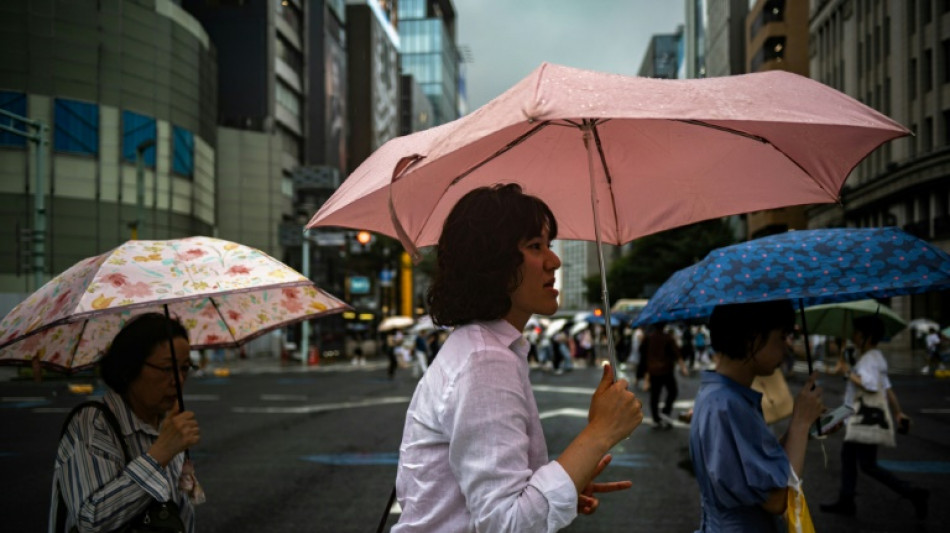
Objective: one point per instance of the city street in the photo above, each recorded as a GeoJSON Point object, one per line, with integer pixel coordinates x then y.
{"type": "Point", "coordinates": [316, 451]}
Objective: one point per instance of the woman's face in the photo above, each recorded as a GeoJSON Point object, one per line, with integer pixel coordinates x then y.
{"type": "Point", "coordinates": [152, 393]}
{"type": "Point", "coordinates": [771, 354]}
{"type": "Point", "coordinates": [536, 293]}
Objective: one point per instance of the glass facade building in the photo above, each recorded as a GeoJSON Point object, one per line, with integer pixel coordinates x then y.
{"type": "Point", "coordinates": [429, 54]}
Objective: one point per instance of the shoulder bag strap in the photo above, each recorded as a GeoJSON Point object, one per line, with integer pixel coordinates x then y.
{"type": "Point", "coordinates": [113, 423]}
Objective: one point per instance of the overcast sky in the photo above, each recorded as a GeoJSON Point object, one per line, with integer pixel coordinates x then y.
{"type": "Point", "coordinates": [509, 38]}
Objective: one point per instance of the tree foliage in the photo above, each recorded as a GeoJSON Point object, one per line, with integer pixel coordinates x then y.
{"type": "Point", "coordinates": [651, 260]}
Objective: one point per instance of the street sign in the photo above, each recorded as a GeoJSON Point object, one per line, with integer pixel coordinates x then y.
{"type": "Point", "coordinates": [359, 285]}
{"type": "Point", "coordinates": [330, 238]}
{"type": "Point", "coordinates": [386, 276]}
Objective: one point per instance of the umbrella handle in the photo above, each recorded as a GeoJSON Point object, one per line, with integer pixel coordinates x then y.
{"type": "Point", "coordinates": [171, 350]}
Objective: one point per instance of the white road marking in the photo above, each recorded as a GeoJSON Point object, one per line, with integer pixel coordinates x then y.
{"type": "Point", "coordinates": [283, 397]}
{"type": "Point", "coordinates": [567, 411]}
{"type": "Point", "coordinates": [201, 397]}
{"type": "Point", "coordinates": [566, 390]}
{"type": "Point", "coordinates": [304, 409]}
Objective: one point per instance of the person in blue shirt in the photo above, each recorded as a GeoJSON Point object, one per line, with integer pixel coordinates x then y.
{"type": "Point", "coordinates": [743, 471]}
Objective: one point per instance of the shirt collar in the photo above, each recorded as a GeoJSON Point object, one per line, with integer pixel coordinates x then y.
{"type": "Point", "coordinates": [711, 377]}
{"type": "Point", "coordinates": [508, 335]}
{"type": "Point", "coordinates": [129, 422]}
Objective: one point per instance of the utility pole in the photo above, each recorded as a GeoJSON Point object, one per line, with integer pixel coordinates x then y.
{"type": "Point", "coordinates": [39, 194]}
{"type": "Point", "coordinates": [305, 326]}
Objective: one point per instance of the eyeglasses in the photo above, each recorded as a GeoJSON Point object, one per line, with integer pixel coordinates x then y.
{"type": "Point", "coordinates": [182, 370]}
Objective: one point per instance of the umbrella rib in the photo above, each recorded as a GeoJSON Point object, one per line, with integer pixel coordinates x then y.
{"type": "Point", "coordinates": [762, 140]}
{"type": "Point", "coordinates": [518, 140]}
{"type": "Point", "coordinates": [72, 353]}
{"type": "Point", "coordinates": [610, 183]}
{"type": "Point", "coordinates": [223, 321]}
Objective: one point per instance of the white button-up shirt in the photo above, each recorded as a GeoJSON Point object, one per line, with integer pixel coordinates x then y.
{"type": "Point", "coordinates": [872, 369]}
{"type": "Point", "coordinates": [473, 455]}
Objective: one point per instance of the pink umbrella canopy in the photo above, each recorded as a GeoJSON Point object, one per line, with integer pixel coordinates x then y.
{"type": "Point", "coordinates": [666, 153]}
{"type": "Point", "coordinates": [619, 157]}
{"type": "Point", "coordinates": [223, 292]}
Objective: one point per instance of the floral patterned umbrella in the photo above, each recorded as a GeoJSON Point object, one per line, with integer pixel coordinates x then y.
{"type": "Point", "coordinates": [223, 292]}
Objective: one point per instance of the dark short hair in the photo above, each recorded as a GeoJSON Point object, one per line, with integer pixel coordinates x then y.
{"type": "Point", "coordinates": [132, 345]}
{"type": "Point", "coordinates": [871, 326]}
{"type": "Point", "coordinates": [479, 255]}
{"type": "Point", "coordinates": [738, 330]}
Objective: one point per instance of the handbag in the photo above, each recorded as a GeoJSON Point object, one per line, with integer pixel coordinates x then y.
{"type": "Point", "coordinates": [158, 517]}
{"type": "Point", "coordinates": [871, 422]}
{"type": "Point", "coordinates": [777, 401]}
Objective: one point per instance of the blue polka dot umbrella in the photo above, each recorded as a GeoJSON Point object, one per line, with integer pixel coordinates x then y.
{"type": "Point", "coordinates": [809, 267]}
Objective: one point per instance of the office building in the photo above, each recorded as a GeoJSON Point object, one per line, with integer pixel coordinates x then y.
{"type": "Point", "coordinates": [429, 54]}
{"type": "Point", "coordinates": [893, 56]}
{"type": "Point", "coordinates": [112, 81]}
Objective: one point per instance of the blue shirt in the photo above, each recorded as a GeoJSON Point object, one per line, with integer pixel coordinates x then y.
{"type": "Point", "coordinates": [737, 459]}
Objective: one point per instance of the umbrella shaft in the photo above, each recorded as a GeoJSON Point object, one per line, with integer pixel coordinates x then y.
{"type": "Point", "coordinates": [611, 350]}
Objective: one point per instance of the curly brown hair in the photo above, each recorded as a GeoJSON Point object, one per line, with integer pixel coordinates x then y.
{"type": "Point", "coordinates": [479, 255]}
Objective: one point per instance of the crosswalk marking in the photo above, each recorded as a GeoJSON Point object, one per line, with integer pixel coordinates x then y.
{"type": "Point", "coordinates": [283, 397]}
{"type": "Point", "coordinates": [306, 409]}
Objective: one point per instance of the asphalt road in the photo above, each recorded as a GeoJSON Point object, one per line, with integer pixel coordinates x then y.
{"type": "Point", "coordinates": [317, 451]}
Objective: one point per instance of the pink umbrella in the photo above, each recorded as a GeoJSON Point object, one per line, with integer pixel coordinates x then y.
{"type": "Point", "coordinates": [647, 154]}
{"type": "Point", "coordinates": [223, 292]}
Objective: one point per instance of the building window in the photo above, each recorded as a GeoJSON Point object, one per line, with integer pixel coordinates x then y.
{"type": "Point", "coordinates": [287, 98]}
{"type": "Point", "coordinates": [76, 127]}
{"type": "Point", "coordinates": [887, 36]}
{"type": "Point", "coordinates": [290, 13]}
{"type": "Point", "coordinates": [290, 55]}
{"type": "Point", "coordinates": [912, 78]}
{"type": "Point", "coordinates": [926, 71]}
{"type": "Point", "coordinates": [925, 15]}
{"type": "Point", "coordinates": [926, 136]}
{"type": "Point", "coordinates": [183, 152]}
{"type": "Point", "coordinates": [137, 129]}
{"type": "Point", "coordinates": [773, 49]}
{"type": "Point", "coordinates": [13, 103]}
{"type": "Point", "coordinates": [946, 60]}
{"type": "Point", "coordinates": [911, 16]}
{"type": "Point", "coordinates": [290, 143]}
{"type": "Point", "coordinates": [772, 11]}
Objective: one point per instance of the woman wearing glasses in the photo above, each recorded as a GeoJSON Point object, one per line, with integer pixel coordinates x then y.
{"type": "Point", "coordinates": [101, 488]}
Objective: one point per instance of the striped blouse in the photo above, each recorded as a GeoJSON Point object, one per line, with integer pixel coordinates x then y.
{"type": "Point", "coordinates": [101, 492]}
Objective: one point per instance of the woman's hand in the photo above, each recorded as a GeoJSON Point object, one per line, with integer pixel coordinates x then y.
{"type": "Point", "coordinates": [614, 411]}
{"type": "Point", "coordinates": [808, 404]}
{"type": "Point", "coordinates": [587, 503]}
{"type": "Point", "coordinates": [177, 433]}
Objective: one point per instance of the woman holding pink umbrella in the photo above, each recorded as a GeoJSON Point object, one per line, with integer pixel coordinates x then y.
{"type": "Point", "coordinates": [473, 455]}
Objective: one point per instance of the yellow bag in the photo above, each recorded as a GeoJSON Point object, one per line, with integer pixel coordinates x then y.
{"type": "Point", "coordinates": [797, 517]}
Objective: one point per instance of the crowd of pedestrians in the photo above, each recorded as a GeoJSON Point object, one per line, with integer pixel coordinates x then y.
{"type": "Point", "coordinates": [473, 456]}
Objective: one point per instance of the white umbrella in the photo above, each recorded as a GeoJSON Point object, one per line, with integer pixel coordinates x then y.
{"type": "Point", "coordinates": [395, 322]}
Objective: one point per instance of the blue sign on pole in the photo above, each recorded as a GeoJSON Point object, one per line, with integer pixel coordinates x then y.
{"type": "Point", "coordinates": [359, 285]}
{"type": "Point", "coordinates": [386, 276]}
